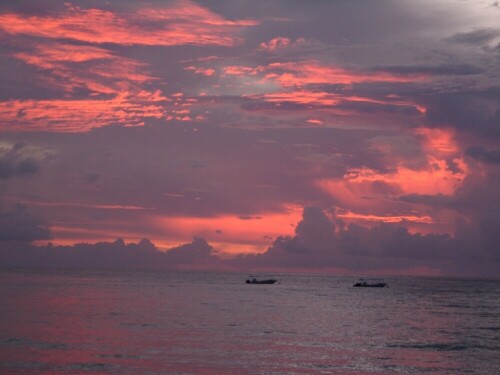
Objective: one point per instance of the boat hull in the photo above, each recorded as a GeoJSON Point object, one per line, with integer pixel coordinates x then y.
{"type": "Point", "coordinates": [270, 281]}
{"type": "Point", "coordinates": [377, 285]}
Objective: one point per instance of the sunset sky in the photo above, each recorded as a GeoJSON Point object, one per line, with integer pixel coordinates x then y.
{"type": "Point", "coordinates": [352, 136]}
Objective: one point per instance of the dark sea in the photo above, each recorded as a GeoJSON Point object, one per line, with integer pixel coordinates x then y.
{"type": "Point", "coordinates": [130, 322]}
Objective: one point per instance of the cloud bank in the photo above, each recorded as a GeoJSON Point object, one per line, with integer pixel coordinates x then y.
{"type": "Point", "coordinates": [320, 244]}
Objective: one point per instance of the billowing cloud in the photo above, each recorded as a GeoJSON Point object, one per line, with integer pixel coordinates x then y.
{"type": "Point", "coordinates": [320, 244]}
{"type": "Point", "coordinates": [117, 254]}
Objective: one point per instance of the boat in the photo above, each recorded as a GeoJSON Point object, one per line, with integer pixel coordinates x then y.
{"type": "Point", "coordinates": [370, 283]}
{"type": "Point", "coordinates": [254, 280]}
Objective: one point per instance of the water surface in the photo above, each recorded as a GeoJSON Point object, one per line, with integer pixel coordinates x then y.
{"type": "Point", "coordinates": [124, 322]}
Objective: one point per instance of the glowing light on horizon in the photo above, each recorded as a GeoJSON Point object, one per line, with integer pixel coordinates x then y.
{"type": "Point", "coordinates": [233, 231]}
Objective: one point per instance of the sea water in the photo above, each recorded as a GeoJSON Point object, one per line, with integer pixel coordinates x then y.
{"type": "Point", "coordinates": [131, 322]}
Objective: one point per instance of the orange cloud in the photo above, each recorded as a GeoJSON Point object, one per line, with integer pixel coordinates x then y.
{"type": "Point", "coordinates": [295, 78]}
{"type": "Point", "coordinates": [203, 71]}
{"type": "Point", "coordinates": [385, 219]}
{"type": "Point", "coordinates": [77, 204]}
{"type": "Point", "coordinates": [116, 92]}
{"type": "Point", "coordinates": [102, 71]}
{"type": "Point", "coordinates": [183, 22]}
{"type": "Point", "coordinates": [311, 72]}
{"type": "Point", "coordinates": [361, 183]}
{"type": "Point", "coordinates": [315, 121]}
{"type": "Point", "coordinates": [298, 74]}
{"type": "Point", "coordinates": [438, 141]}
{"type": "Point", "coordinates": [368, 195]}
{"type": "Point", "coordinates": [390, 101]}
{"type": "Point", "coordinates": [275, 44]}
{"type": "Point", "coordinates": [302, 97]}
{"type": "Point", "coordinates": [315, 99]}
{"type": "Point", "coordinates": [127, 108]}
{"type": "Point", "coordinates": [238, 70]}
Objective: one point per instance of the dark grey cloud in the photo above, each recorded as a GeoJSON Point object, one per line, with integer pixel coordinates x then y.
{"type": "Point", "coordinates": [475, 37]}
{"type": "Point", "coordinates": [476, 112]}
{"type": "Point", "coordinates": [438, 200]}
{"type": "Point", "coordinates": [15, 160]}
{"type": "Point", "coordinates": [110, 255]}
{"type": "Point", "coordinates": [482, 154]}
{"type": "Point", "coordinates": [30, 7]}
{"type": "Point", "coordinates": [17, 224]}
{"type": "Point", "coordinates": [317, 243]}
{"type": "Point", "coordinates": [320, 243]}
{"type": "Point", "coordinates": [441, 69]}
{"type": "Point", "coordinates": [197, 252]}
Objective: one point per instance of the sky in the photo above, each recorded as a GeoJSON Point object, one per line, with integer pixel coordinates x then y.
{"type": "Point", "coordinates": [336, 136]}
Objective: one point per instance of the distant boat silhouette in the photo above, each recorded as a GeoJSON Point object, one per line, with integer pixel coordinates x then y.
{"type": "Point", "coordinates": [370, 283]}
{"type": "Point", "coordinates": [254, 280]}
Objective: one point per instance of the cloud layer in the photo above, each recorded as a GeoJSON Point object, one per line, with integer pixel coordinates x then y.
{"type": "Point", "coordinates": [183, 119]}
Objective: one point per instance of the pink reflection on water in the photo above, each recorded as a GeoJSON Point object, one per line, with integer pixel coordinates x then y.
{"type": "Point", "coordinates": [131, 322]}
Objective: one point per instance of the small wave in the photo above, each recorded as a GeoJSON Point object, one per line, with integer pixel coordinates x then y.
{"type": "Point", "coordinates": [14, 341]}
{"type": "Point", "coordinates": [119, 356]}
{"type": "Point", "coordinates": [10, 341]}
{"type": "Point", "coordinates": [86, 366]}
{"type": "Point", "coordinates": [140, 325]}
{"type": "Point", "coordinates": [490, 328]}
{"type": "Point", "coordinates": [436, 346]}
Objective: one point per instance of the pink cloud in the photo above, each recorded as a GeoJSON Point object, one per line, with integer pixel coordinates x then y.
{"type": "Point", "coordinates": [368, 195]}
{"type": "Point", "coordinates": [290, 82]}
{"type": "Point", "coordinates": [315, 121]}
{"type": "Point", "coordinates": [302, 97]}
{"type": "Point", "coordinates": [183, 22]}
{"type": "Point", "coordinates": [311, 72]}
{"type": "Point", "coordinates": [275, 43]}
{"type": "Point", "coordinates": [237, 70]}
{"type": "Point", "coordinates": [203, 71]}
{"type": "Point", "coordinates": [433, 178]}
{"type": "Point", "coordinates": [319, 99]}
{"type": "Point", "coordinates": [299, 74]}
{"type": "Point", "coordinates": [97, 69]}
{"type": "Point", "coordinates": [127, 108]}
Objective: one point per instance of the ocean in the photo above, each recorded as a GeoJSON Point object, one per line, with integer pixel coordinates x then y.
{"type": "Point", "coordinates": [173, 322]}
